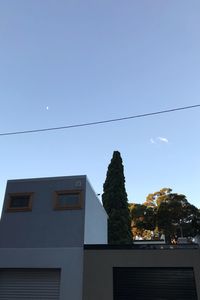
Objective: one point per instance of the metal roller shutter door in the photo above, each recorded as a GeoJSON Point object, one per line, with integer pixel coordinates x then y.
{"type": "Point", "coordinates": [154, 284]}
{"type": "Point", "coordinates": [32, 284]}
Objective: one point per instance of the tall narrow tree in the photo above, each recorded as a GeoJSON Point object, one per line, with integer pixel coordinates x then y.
{"type": "Point", "coordinates": [115, 202]}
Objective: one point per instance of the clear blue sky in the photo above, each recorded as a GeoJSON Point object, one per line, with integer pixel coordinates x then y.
{"type": "Point", "coordinates": [67, 62]}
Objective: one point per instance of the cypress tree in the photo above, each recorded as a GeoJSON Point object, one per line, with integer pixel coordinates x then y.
{"type": "Point", "coordinates": [115, 202]}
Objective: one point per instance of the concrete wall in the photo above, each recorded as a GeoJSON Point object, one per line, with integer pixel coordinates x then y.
{"type": "Point", "coordinates": [99, 263]}
{"type": "Point", "coordinates": [69, 260]}
{"type": "Point", "coordinates": [43, 226]}
{"type": "Point", "coordinates": [49, 238]}
{"type": "Point", "coordinates": [95, 228]}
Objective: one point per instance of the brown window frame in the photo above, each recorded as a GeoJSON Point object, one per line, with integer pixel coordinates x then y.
{"type": "Point", "coordinates": [68, 207]}
{"type": "Point", "coordinates": [19, 209]}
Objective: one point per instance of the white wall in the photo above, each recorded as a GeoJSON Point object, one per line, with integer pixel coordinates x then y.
{"type": "Point", "coordinates": [95, 227]}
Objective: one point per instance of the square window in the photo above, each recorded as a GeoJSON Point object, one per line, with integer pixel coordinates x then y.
{"type": "Point", "coordinates": [68, 200]}
{"type": "Point", "coordinates": [20, 202]}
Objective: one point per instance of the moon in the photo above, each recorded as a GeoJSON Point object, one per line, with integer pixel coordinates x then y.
{"type": "Point", "coordinates": [47, 108]}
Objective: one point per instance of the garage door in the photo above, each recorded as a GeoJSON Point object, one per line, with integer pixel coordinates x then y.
{"type": "Point", "coordinates": [29, 284]}
{"type": "Point", "coordinates": [154, 284]}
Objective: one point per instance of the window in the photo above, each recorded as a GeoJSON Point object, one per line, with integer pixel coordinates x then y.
{"type": "Point", "coordinates": [68, 200]}
{"type": "Point", "coordinates": [20, 202]}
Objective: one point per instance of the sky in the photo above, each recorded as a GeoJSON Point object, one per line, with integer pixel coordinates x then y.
{"type": "Point", "coordinates": [65, 62]}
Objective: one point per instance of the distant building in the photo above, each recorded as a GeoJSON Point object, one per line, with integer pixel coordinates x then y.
{"type": "Point", "coordinates": [196, 239]}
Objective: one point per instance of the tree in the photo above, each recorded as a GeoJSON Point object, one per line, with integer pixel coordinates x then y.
{"type": "Point", "coordinates": [115, 202]}
{"type": "Point", "coordinates": [153, 200]}
{"type": "Point", "coordinates": [165, 212]}
{"type": "Point", "coordinates": [176, 216]}
{"type": "Point", "coordinates": [143, 220]}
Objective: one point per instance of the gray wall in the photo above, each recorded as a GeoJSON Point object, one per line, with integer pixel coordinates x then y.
{"type": "Point", "coordinates": [69, 260]}
{"type": "Point", "coordinates": [98, 267]}
{"type": "Point", "coordinates": [48, 238]}
{"type": "Point", "coordinates": [43, 226]}
{"type": "Point", "coordinates": [95, 231]}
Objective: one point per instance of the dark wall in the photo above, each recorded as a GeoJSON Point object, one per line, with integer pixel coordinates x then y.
{"type": "Point", "coordinates": [100, 263]}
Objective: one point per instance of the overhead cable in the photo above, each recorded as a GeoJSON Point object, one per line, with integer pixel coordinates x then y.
{"type": "Point", "coordinates": [101, 122]}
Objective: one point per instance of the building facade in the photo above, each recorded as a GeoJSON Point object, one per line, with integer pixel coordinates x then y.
{"type": "Point", "coordinates": [53, 245]}
{"type": "Point", "coordinates": [138, 272]}
{"type": "Point", "coordinates": [44, 226]}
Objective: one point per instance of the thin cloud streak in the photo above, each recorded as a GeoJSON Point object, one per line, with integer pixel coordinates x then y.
{"type": "Point", "coordinates": [163, 139]}
{"type": "Point", "coordinates": [159, 139]}
{"type": "Point", "coordinates": [152, 141]}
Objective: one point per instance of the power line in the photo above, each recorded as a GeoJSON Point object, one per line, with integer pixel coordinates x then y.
{"type": "Point", "coordinates": [101, 122]}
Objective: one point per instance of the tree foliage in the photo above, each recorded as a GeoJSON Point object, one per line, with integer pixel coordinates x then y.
{"type": "Point", "coordinates": [154, 200]}
{"type": "Point", "coordinates": [115, 202]}
{"type": "Point", "coordinates": [166, 212]}
{"type": "Point", "coordinates": [143, 217]}
{"type": "Point", "coordinates": [177, 217]}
